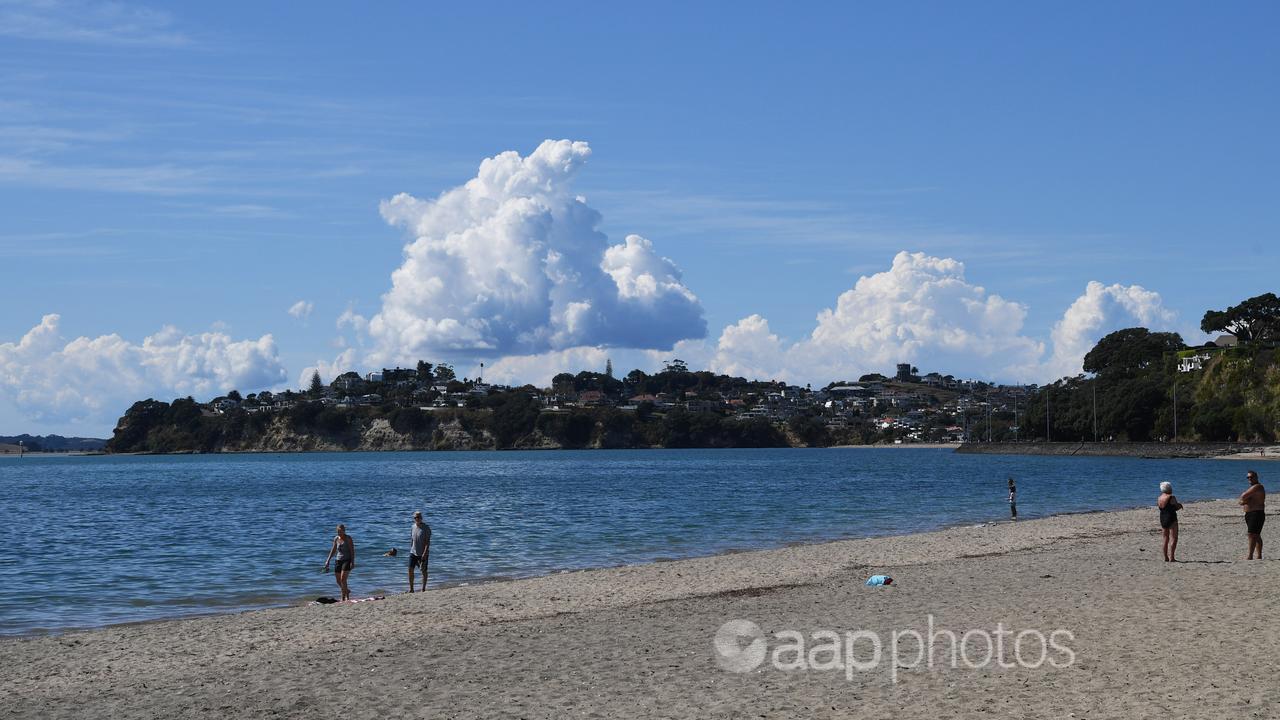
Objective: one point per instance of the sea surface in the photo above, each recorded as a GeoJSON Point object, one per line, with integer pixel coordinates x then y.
{"type": "Point", "coordinates": [91, 541]}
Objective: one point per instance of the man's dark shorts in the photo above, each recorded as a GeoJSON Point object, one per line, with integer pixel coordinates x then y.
{"type": "Point", "coordinates": [1253, 521]}
{"type": "Point", "coordinates": [419, 561]}
{"type": "Point", "coordinates": [342, 565]}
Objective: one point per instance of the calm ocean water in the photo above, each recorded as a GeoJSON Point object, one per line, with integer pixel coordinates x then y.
{"type": "Point", "coordinates": [97, 540]}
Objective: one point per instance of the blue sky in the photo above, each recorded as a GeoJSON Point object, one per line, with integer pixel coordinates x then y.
{"type": "Point", "coordinates": [207, 166]}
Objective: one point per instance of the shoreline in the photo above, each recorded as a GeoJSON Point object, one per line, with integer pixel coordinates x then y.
{"type": "Point", "coordinates": [489, 581]}
{"type": "Point", "coordinates": [898, 446]}
{"type": "Point", "coordinates": [635, 641]}
{"type": "Point", "coordinates": [1145, 450]}
{"type": "Point", "coordinates": [877, 446]}
{"type": "Point", "coordinates": [300, 602]}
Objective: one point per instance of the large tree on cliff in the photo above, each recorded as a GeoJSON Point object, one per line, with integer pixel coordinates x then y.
{"type": "Point", "coordinates": [1125, 352]}
{"type": "Point", "coordinates": [1255, 319]}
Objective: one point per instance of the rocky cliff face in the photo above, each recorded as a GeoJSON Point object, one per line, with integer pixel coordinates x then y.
{"type": "Point", "coordinates": [375, 435]}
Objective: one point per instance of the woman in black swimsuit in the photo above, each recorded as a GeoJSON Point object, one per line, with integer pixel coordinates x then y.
{"type": "Point", "coordinates": [1169, 507]}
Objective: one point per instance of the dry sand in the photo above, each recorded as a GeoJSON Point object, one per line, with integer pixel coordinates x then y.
{"type": "Point", "coordinates": [1271, 452]}
{"type": "Point", "coordinates": [1151, 639]}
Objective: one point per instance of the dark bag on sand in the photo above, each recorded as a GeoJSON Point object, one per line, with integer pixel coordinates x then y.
{"type": "Point", "coordinates": [326, 600]}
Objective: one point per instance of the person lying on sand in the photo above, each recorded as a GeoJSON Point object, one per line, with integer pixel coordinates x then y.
{"type": "Point", "coordinates": [1169, 507]}
{"type": "Point", "coordinates": [1254, 502]}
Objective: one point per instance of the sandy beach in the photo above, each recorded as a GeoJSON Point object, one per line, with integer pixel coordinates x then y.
{"type": "Point", "coordinates": [1147, 639]}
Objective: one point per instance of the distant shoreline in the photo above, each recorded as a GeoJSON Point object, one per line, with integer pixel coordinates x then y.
{"type": "Point", "coordinates": [899, 446]}
{"type": "Point", "coordinates": [879, 446]}
{"type": "Point", "coordinates": [1151, 450]}
{"type": "Point", "coordinates": [42, 454]}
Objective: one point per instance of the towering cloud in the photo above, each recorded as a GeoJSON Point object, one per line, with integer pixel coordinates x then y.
{"type": "Point", "coordinates": [94, 380]}
{"type": "Point", "coordinates": [512, 263]}
{"type": "Point", "coordinates": [1100, 310]}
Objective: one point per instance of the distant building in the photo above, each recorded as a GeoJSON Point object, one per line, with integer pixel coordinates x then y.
{"type": "Point", "coordinates": [348, 382]}
{"type": "Point", "coordinates": [225, 404]}
{"type": "Point", "coordinates": [699, 406]}
{"type": "Point", "coordinates": [591, 397]}
{"type": "Point", "coordinates": [374, 377]}
{"type": "Point", "coordinates": [398, 374]}
{"type": "Point", "coordinates": [1192, 363]}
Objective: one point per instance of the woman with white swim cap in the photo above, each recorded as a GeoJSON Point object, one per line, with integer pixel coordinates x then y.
{"type": "Point", "coordinates": [1169, 507]}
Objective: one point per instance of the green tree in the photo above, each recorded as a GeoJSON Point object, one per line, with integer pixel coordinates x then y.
{"type": "Point", "coordinates": [637, 380]}
{"type": "Point", "coordinates": [513, 417]}
{"type": "Point", "coordinates": [1255, 319]}
{"type": "Point", "coordinates": [1125, 352]}
{"type": "Point", "coordinates": [317, 385]}
{"type": "Point", "coordinates": [444, 373]}
{"type": "Point", "coordinates": [424, 371]}
{"type": "Point", "coordinates": [811, 430]}
{"type": "Point", "coordinates": [676, 366]}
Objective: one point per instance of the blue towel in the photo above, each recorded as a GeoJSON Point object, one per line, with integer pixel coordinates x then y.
{"type": "Point", "coordinates": [879, 580]}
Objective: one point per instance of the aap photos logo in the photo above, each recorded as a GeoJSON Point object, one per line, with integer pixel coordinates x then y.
{"type": "Point", "coordinates": [740, 646]}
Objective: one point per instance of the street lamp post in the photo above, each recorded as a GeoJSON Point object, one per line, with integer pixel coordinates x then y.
{"type": "Point", "coordinates": [1047, 437]}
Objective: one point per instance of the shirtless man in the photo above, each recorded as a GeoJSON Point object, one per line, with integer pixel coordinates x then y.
{"type": "Point", "coordinates": [1254, 501]}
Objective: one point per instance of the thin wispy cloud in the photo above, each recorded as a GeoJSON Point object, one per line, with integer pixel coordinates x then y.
{"type": "Point", "coordinates": [45, 138]}
{"type": "Point", "coordinates": [250, 211]}
{"type": "Point", "coordinates": [102, 23]}
{"type": "Point", "coordinates": [162, 179]}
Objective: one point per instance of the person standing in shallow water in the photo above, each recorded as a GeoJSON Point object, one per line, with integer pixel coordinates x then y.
{"type": "Point", "coordinates": [1169, 507]}
{"type": "Point", "coordinates": [1013, 500]}
{"type": "Point", "coordinates": [419, 548]}
{"type": "Point", "coordinates": [344, 548]}
{"type": "Point", "coordinates": [1254, 502]}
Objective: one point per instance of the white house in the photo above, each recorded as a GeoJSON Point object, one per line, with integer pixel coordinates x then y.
{"type": "Point", "coordinates": [1193, 362]}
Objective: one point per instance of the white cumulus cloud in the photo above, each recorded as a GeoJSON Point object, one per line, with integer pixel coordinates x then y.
{"type": "Point", "coordinates": [346, 361]}
{"type": "Point", "coordinates": [94, 380]}
{"type": "Point", "coordinates": [301, 309]}
{"type": "Point", "coordinates": [749, 349]}
{"type": "Point", "coordinates": [1100, 310]}
{"type": "Point", "coordinates": [923, 311]}
{"type": "Point", "coordinates": [540, 368]}
{"type": "Point", "coordinates": [512, 263]}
